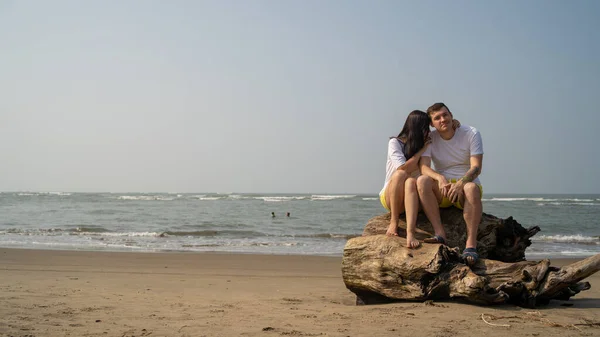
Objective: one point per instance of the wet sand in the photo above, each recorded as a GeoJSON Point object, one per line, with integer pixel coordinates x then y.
{"type": "Point", "coordinates": [80, 293]}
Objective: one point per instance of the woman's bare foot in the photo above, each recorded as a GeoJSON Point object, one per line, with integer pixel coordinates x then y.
{"type": "Point", "coordinates": [411, 242]}
{"type": "Point", "coordinates": [392, 229]}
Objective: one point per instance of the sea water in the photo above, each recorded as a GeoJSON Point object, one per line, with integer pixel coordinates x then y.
{"type": "Point", "coordinates": [318, 224]}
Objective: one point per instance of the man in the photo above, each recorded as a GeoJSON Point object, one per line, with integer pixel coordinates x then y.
{"type": "Point", "coordinates": [457, 155]}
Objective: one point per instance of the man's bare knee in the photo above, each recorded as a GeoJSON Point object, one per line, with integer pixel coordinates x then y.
{"type": "Point", "coordinates": [472, 192]}
{"type": "Point", "coordinates": [424, 183]}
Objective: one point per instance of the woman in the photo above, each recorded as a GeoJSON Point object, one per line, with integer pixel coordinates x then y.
{"type": "Point", "coordinates": [399, 193]}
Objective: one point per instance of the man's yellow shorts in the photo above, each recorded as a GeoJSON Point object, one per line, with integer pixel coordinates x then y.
{"type": "Point", "coordinates": [447, 203]}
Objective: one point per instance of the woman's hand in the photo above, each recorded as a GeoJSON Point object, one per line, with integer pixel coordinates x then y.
{"type": "Point", "coordinates": [455, 124]}
{"type": "Point", "coordinates": [427, 142]}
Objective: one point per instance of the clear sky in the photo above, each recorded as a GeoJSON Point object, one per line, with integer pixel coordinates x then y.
{"type": "Point", "coordinates": [291, 96]}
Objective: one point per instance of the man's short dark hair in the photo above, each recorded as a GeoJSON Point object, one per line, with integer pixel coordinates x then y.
{"type": "Point", "coordinates": [437, 107]}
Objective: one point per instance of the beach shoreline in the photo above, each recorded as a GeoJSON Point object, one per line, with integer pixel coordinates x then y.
{"type": "Point", "coordinates": [98, 293]}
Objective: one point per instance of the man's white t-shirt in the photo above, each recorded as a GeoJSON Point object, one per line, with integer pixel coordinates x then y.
{"type": "Point", "coordinates": [451, 158]}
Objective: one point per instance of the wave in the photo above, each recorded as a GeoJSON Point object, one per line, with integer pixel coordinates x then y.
{"type": "Point", "coordinates": [78, 231]}
{"type": "Point", "coordinates": [35, 194]}
{"type": "Point", "coordinates": [567, 201]}
{"type": "Point", "coordinates": [89, 229]}
{"type": "Point", "coordinates": [569, 204]}
{"type": "Point", "coordinates": [209, 232]}
{"type": "Point", "coordinates": [370, 198]}
{"type": "Point", "coordinates": [245, 244]}
{"type": "Point", "coordinates": [327, 236]}
{"type": "Point", "coordinates": [577, 238]}
{"type": "Point", "coordinates": [279, 199]}
{"type": "Point", "coordinates": [31, 232]}
{"type": "Point", "coordinates": [106, 211]}
{"type": "Point", "coordinates": [561, 253]}
{"type": "Point", "coordinates": [518, 199]}
{"type": "Point", "coordinates": [57, 231]}
{"type": "Point", "coordinates": [317, 197]}
{"type": "Point", "coordinates": [145, 197]}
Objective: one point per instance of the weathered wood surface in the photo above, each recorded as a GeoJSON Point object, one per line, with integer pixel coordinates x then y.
{"type": "Point", "coordinates": [380, 268]}
{"type": "Point", "coordinates": [499, 239]}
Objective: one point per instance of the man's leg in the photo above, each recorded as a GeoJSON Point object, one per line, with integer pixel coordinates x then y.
{"type": "Point", "coordinates": [472, 211]}
{"type": "Point", "coordinates": [430, 196]}
{"type": "Point", "coordinates": [394, 198]}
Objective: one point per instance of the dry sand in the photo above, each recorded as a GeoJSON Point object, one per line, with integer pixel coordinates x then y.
{"type": "Point", "coordinates": [70, 293]}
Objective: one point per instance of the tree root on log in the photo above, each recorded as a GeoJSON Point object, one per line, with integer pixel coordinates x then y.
{"type": "Point", "coordinates": [380, 268]}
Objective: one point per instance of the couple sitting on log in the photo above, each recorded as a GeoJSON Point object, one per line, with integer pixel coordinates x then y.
{"type": "Point", "coordinates": [410, 184]}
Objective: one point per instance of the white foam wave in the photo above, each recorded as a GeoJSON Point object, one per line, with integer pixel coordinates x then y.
{"type": "Point", "coordinates": [330, 197]}
{"type": "Point", "coordinates": [577, 238]}
{"type": "Point", "coordinates": [518, 199]}
{"type": "Point", "coordinates": [126, 234]}
{"type": "Point", "coordinates": [279, 199]}
{"type": "Point", "coordinates": [145, 197]}
{"type": "Point", "coordinates": [370, 198]}
{"type": "Point", "coordinates": [58, 232]}
{"type": "Point", "coordinates": [569, 253]}
{"type": "Point", "coordinates": [569, 204]}
{"type": "Point", "coordinates": [60, 194]}
{"type": "Point", "coordinates": [567, 200]}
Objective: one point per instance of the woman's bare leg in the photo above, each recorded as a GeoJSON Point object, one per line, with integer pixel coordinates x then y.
{"type": "Point", "coordinates": [411, 207]}
{"type": "Point", "coordinates": [430, 197]}
{"type": "Point", "coordinates": [394, 198]}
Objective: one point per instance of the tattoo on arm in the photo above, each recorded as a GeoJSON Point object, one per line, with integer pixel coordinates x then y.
{"type": "Point", "coordinates": [471, 174]}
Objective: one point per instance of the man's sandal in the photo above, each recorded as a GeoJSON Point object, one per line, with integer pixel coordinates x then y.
{"type": "Point", "coordinates": [469, 254]}
{"type": "Point", "coordinates": [435, 239]}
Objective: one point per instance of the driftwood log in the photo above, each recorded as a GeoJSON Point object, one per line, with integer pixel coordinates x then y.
{"type": "Point", "coordinates": [498, 239]}
{"type": "Point", "coordinates": [380, 268]}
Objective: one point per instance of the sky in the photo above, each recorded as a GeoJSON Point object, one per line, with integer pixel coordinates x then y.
{"type": "Point", "coordinates": [270, 96]}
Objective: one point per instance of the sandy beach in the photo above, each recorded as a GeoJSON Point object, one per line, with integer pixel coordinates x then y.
{"type": "Point", "coordinates": [82, 293]}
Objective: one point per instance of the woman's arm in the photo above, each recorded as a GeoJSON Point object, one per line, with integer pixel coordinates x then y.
{"type": "Point", "coordinates": [413, 163]}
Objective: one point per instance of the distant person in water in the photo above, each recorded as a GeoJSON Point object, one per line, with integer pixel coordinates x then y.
{"type": "Point", "coordinates": [272, 214]}
{"type": "Point", "coordinates": [288, 214]}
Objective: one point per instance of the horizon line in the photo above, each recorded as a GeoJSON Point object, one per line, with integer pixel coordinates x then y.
{"type": "Point", "coordinates": [313, 193]}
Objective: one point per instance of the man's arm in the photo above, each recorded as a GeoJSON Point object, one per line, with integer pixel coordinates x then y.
{"type": "Point", "coordinates": [475, 170]}
{"type": "Point", "coordinates": [456, 190]}
{"type": "Point", "coordinates": [425, 165]}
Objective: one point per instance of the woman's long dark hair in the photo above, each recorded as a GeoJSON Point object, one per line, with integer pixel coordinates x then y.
{"type": "Point", "coordinates": [413, 134]}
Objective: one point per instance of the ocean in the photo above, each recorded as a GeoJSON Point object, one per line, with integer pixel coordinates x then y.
{"type": "Point", "coordinates": [318, 224]}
